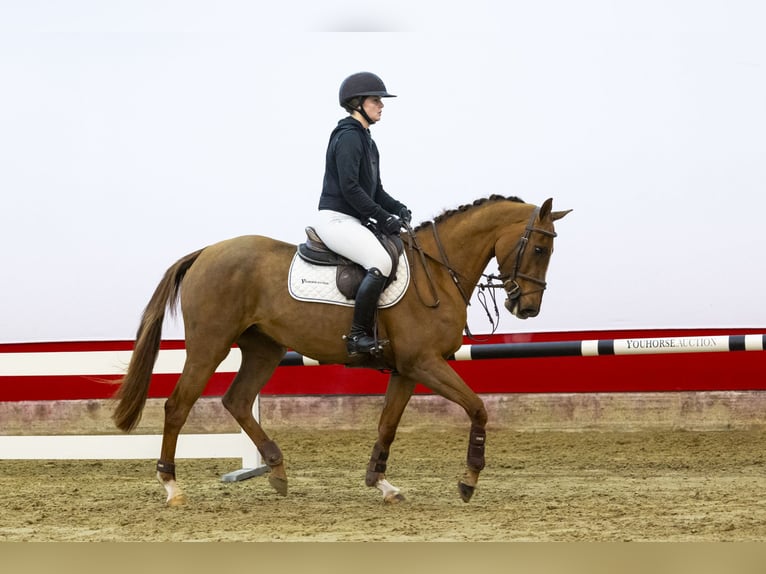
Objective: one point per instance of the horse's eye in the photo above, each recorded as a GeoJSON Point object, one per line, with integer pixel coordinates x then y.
{"type": "Point", "coordinates": [540, 250]}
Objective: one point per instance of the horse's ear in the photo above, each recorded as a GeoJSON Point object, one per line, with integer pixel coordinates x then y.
{"type": "Point", "coordinates": [559, 214]}
{"type": "Point", "coordinates": [545, 209]}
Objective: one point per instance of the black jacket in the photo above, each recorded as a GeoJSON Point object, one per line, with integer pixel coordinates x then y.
{"type": "Point", "coordinates": [352, 175]}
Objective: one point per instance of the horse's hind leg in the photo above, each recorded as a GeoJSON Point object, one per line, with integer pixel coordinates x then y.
{"type": "Point", "coordinates": [260, 357]}
{"type": "Point", "coordinates": [196, 372]}
{"type": "Point", "coordinates": [398, 394]}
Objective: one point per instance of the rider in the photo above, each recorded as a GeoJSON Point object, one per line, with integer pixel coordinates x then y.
{"type": "Point", "coordinates": [353, 197]}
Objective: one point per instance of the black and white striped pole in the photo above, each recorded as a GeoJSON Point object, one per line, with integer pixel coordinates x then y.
{"type": "Point", "coordinates": [596, 347]}
{"type": "Point", "coordinates": [591, 348]}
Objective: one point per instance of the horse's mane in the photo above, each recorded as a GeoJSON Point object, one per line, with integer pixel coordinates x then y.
{"type": "Point", "coordinates": [450, 212]}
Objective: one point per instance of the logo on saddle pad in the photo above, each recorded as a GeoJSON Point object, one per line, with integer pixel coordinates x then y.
{"type": "Point", "coordinates": [318, 283]}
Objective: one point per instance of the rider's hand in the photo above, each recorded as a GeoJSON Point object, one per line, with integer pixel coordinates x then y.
{"type": "Point", "coordinates": [405, 214]}
{"type": "Point", "coordinates": [391, 225]}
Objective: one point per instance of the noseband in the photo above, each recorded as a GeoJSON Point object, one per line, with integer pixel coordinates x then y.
{"type": "Point", "coordinates": [510, 283]}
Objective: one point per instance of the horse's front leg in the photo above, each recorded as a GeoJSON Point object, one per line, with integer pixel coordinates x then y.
{"type": "Point", "coordinates": [398, 394]}
{"type": "Point", "coordinates": [438, 376]}
{"type": "Point", "coordinates": [474, 462]}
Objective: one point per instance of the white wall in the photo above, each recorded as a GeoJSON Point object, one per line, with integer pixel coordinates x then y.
{"type": "Point", "coordinates": [134, 132]}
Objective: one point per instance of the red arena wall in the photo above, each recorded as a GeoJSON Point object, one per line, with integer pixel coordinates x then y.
{"type": "Point", "coordinates": [698, 371]}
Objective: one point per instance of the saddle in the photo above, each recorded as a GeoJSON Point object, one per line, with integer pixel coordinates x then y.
{"type": "Point", "coordinates": [349, 274]}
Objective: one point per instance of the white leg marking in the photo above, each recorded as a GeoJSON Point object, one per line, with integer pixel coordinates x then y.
{"type": "Point", "coordinates": [171, 487]}
{"type": "Point", "coordinates": [388, 490]}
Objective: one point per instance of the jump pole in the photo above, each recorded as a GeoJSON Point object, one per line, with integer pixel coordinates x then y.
{"type": "Point", "coordinates": [601, 347]}
{"type": "Point", "coordinates": [590, 348]}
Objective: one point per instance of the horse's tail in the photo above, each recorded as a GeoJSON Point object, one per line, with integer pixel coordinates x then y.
{"type": "Point", "coordinates": [134, 386]}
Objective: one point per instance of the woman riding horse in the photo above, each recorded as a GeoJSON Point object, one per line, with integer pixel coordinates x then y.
{"type": "Point", "coordinates": [235, 292]}
{"type": "Point", "coordinates": [353, 198]}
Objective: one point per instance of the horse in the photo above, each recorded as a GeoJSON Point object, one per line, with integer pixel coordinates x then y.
{"type": "Point", "coordinates": [234, 292]}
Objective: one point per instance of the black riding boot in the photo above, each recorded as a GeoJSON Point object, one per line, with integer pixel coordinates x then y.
{"type": "Point", "coordinates": [361, 338]}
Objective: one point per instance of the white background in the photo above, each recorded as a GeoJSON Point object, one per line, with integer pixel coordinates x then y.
{"type": "Point", "coordinates": [132, 133]}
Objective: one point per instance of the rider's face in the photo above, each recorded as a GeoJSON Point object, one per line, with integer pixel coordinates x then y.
{"type": "Point", "coordinates": [373, 106]}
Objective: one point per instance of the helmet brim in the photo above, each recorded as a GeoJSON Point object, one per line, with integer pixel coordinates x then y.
{"type": "Point", "coordinates": [379, 94]}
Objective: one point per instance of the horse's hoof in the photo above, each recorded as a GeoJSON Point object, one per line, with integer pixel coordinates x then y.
{"type": "Point", "coordinates": [466, 491]}
{"type": "Point", "coordinates": [394, 498]}
{"type": "Point", "coordinates": [278, 484]}
{"type": "Point", "coordinates": [178, 500]}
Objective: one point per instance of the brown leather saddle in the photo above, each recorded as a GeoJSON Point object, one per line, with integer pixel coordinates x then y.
{"type": "Point", "coordinates": [349, 274]}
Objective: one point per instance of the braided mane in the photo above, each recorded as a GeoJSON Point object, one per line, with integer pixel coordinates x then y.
{"type": "Point", "coordinates": [450, 212]}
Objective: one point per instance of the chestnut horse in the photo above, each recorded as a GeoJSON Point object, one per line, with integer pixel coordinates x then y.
{"type": "Point", "coordinates": [235, 292]}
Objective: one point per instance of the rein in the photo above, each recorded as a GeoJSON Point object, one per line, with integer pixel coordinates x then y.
{"type": "Point", "coordinates": [452, 273]}
{"type": "Point", "coordinates": [508, 280]}
{"type": "Point", "coordinates": [413, 245]}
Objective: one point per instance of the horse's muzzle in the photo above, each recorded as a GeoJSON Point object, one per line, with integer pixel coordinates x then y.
{"type": "Point", "coordinates": [520, 312]}
{"type": "Point", "coordinates": [513, 302]}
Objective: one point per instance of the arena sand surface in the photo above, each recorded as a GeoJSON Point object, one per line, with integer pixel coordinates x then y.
{"type": "Point", "coordinates": [537, 486]}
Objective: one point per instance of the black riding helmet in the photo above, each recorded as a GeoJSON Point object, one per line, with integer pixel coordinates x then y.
{"type": "Point", "coordinates": [361, 85]}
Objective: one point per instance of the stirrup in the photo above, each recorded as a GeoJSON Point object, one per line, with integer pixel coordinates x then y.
{"type": "Point", "coordinates": [363, 344]}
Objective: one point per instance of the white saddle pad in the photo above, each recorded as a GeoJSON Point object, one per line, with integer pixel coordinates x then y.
{"type": "Point", "coordinates": [308, 282]}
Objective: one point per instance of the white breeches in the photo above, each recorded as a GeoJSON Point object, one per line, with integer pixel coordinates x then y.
{"type": "Point", "coordinates": [346, 235]}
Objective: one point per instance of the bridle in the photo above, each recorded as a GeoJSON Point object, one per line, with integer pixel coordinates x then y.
{"type": "Point", "coordinates": [508, 280]}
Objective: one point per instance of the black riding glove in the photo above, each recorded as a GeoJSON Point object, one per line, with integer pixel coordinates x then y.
{"type": "Point", "coordinates": [386, 223]}
{"type": "Point", "coordinates": [391, 225]}
{"type": "Point", "coordinates": [405, 214]}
